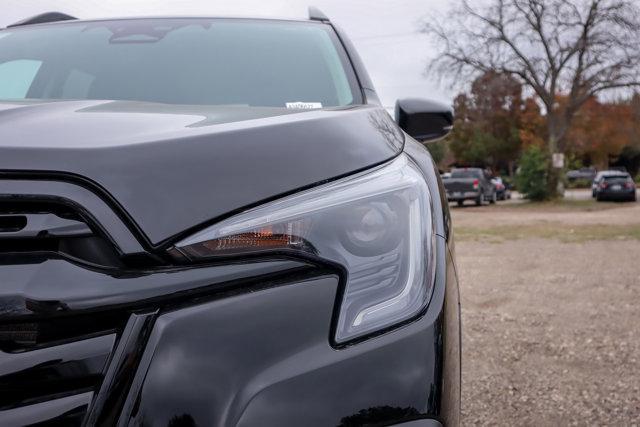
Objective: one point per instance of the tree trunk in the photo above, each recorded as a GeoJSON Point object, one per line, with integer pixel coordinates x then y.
{"type": "Point", "coordinates": [555, 181]}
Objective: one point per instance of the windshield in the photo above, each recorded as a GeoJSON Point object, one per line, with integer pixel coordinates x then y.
{"type": "Point", "coordinates": [179, 61]}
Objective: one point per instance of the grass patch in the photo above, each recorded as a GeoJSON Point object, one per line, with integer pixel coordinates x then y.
{"type": "Point", "coordinates": [569, 205]}
{"type": "Point", "coordinates": [551, 230]}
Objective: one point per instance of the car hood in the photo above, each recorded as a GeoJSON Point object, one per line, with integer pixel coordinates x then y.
{"type": "Point", "coordinates": [174, 168]}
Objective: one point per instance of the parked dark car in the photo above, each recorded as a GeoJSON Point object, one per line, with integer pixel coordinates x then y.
{"type": "Point", "coordinates": [616, 186]}
{"type": "Point", "coordinates": [600, 176]}
{"type": "Point", "coordinates": [586, 174]}
{"type": "Point", "coordinates": [470, 184]}
{"type": "Point", "coordinates": [214, 222]}
{"type": "Point", "coordinates": [503, 191]}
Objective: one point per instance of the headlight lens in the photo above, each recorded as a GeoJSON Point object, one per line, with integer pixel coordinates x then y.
{"type": "Point", "coordinates": [378, 225]}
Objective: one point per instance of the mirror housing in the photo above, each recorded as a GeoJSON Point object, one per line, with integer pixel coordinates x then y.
{"type": "Point", "coordinates": [423, 119]}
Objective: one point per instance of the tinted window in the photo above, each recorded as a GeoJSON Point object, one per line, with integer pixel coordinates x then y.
{"type": "Point", "coordinates": [617, 177]}
{"type": "Point", "coordinates": [466, 173]}
{"type": "Point", "coordinates": [179, 61]}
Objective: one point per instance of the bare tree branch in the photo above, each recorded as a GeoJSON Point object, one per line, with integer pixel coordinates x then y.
{"type": "Point", "coordinates": [566, 51]}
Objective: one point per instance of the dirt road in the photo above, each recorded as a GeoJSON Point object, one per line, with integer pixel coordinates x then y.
{"type": "Point", "coordinates": [551, 313]}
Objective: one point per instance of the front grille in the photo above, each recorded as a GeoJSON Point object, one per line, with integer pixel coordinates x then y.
{"type": "Point", "coordinates": [54, 359]}
{"type": "Point", "coordinates": [35, 227]}
{"type": "Point", "coordinates": [60, 359]}
{"type": "Point", "coordinates": [47, 373]}
{"type": "Point", "coordinates": [22, 336]}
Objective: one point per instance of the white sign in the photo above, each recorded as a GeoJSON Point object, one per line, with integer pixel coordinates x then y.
{"type": "Point", "coordinates": [304, 105]}
{"type": "Point", "coordinates": [558, 160]}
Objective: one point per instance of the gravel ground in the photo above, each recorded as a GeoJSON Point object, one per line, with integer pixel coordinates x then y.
{"type": "Point", "coordinates": [551, 330]}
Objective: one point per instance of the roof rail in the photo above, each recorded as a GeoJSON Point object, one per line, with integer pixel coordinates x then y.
{"type": "Point", "coordinates": [316, 14]}
{"type": "Point", "coordinates": [43, 18]}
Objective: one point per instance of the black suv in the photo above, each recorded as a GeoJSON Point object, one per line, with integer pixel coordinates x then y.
{"type": "Point", "coordinates": [214, 222]}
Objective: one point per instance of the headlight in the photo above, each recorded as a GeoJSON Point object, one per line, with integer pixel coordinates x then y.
{"type": "Point", "coordinates": [377, 224]}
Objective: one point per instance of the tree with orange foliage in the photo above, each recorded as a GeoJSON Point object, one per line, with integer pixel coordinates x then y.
{"type": "Point", "coordinates": [486, 132]}
{"type": "Point", "coordinates": [600, 131]}
{"type": "Point", "coordinates": [532, 125]}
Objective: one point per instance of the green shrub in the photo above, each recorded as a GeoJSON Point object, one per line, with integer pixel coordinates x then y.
{"type": "Point", "coordinates": [532, 174]}
{"type": "Point", "coordinates": [438, 150]}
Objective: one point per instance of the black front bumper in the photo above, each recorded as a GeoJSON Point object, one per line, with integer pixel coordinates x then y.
{"type": "Point", "coordinates": [246, 343]}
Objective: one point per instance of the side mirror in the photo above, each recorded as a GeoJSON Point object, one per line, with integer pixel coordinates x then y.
{"type": "Point", "coordinates": [423, 119]}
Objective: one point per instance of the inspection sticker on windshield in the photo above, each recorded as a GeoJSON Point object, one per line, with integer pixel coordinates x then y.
{"type": "Point", "coordinates": [304, 105]}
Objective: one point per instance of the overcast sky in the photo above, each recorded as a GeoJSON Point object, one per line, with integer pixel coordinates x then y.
{"type": "Point", "coordinates": [385, 32]}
